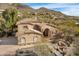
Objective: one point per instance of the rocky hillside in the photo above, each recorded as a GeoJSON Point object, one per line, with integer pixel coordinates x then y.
{"type": "Point", "coordinates": [4, 5]}
{"type": "Point", "coordinates": [44, 15]}
{"type": "Point", "coordinates": [41, 12]}
{"type": "Point", "coordinates": [63, 22]}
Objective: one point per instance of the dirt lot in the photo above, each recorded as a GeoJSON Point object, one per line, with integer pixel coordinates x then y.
{"type": "Point", "coordinates": [8, 50]}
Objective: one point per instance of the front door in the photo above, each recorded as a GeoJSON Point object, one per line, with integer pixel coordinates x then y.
{"type": "Point", "coordinates": [22, 41]}
{"type": "Point", "coordinates": [35, 39]}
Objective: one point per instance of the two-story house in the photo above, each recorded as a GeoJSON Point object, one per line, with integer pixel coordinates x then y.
{"type": "Point", "coordinates": [31, 31]}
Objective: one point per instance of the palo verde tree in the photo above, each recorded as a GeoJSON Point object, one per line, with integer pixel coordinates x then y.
{"type": "Point", "coordinates": [10, 16]}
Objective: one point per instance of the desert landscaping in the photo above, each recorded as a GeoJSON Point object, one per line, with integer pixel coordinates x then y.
{"type": "Point", "coordinates": [25, 31]}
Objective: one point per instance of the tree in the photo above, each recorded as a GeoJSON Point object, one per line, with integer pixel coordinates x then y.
{"type": "Point", "coordinates": [10, 16]}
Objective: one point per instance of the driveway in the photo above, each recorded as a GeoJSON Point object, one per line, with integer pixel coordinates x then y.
{"type": "Point", "coordinates": [8, 41]}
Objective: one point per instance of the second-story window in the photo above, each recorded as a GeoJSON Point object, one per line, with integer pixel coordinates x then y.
{"type": "Point", "coordinates": [37, 27]}
{"type": "Point", "coordinates": [46, 32]}
{"type": "Point", "coordinates": [25, 27]}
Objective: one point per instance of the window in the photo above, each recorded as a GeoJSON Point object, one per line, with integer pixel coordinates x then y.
{"type": "Point", "coordinates": [35, 39]}
{"type": "Point", "coordinates": [37, 27]}
{"type": "Point", "coordinates": [22, 41]}
{"type": "Point", "coordinates": [46, 32]}
{"type": "Point", "coordinates": [25, 27]}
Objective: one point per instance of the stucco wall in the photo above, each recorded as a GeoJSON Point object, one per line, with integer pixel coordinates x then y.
{"type": "Point", "coordinates": [29, 39]}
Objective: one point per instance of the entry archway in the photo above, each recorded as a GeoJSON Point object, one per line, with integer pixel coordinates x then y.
{"type": "Point", "coordinates": [22, 41]}
{"type": "Point", "coordinates": [46, 32]}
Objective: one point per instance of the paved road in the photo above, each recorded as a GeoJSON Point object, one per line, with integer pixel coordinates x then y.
{"type": "Point", "coordinates": [8, 41]}
{"type": "Point", "coordinates": [8, 46]}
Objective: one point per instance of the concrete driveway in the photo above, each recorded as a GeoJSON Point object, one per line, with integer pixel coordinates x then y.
{"type": "Point", "coordinates": [8, 41]}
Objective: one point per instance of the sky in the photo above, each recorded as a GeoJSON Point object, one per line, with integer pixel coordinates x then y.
{"type": "Point", "coordinates": [71, 9]}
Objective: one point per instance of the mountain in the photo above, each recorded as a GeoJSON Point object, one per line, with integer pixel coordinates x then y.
{"type": "Point", "coordinates": [23, 7]}
{"type": "Point", "coordinates": [45, 10]}
{"type": "Point", "coordinates": [42, 13]}
{"type": "Point", "coordinates": [50, 13]}
{"type": "Point", "coordinates": [5, 5]}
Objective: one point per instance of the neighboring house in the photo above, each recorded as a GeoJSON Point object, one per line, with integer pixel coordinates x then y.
{"type": "Point", "coordinates": [31, 31]}
{"type": "Point", "coordinates": [77, 22]}
{"type": "Point", "coordinates": [1, 10]}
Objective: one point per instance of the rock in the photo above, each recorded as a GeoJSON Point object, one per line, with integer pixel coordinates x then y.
{"type": "Point", "coordinates": [57, 53]}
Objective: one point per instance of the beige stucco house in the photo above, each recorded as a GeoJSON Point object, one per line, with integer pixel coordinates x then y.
{"type": "Point", "coordinates": [31, 31]}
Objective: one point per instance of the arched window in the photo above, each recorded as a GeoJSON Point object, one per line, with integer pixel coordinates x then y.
{"type": "Point", "coordinates": [35, 39]}
{"type": "Point", "coordinates": [22, 41]}
{"type": "Point", "coordinates": [37, 27]}
{"type": "Point", "coordinates": [25, 27]}
{"type": "Point", "coordinates": [46, 32]}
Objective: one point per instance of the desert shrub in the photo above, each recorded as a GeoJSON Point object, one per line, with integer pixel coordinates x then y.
{"type": "Point", "coordinates": [43, 50]}
{"type": "Point", "coordinates": [76, 46]}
